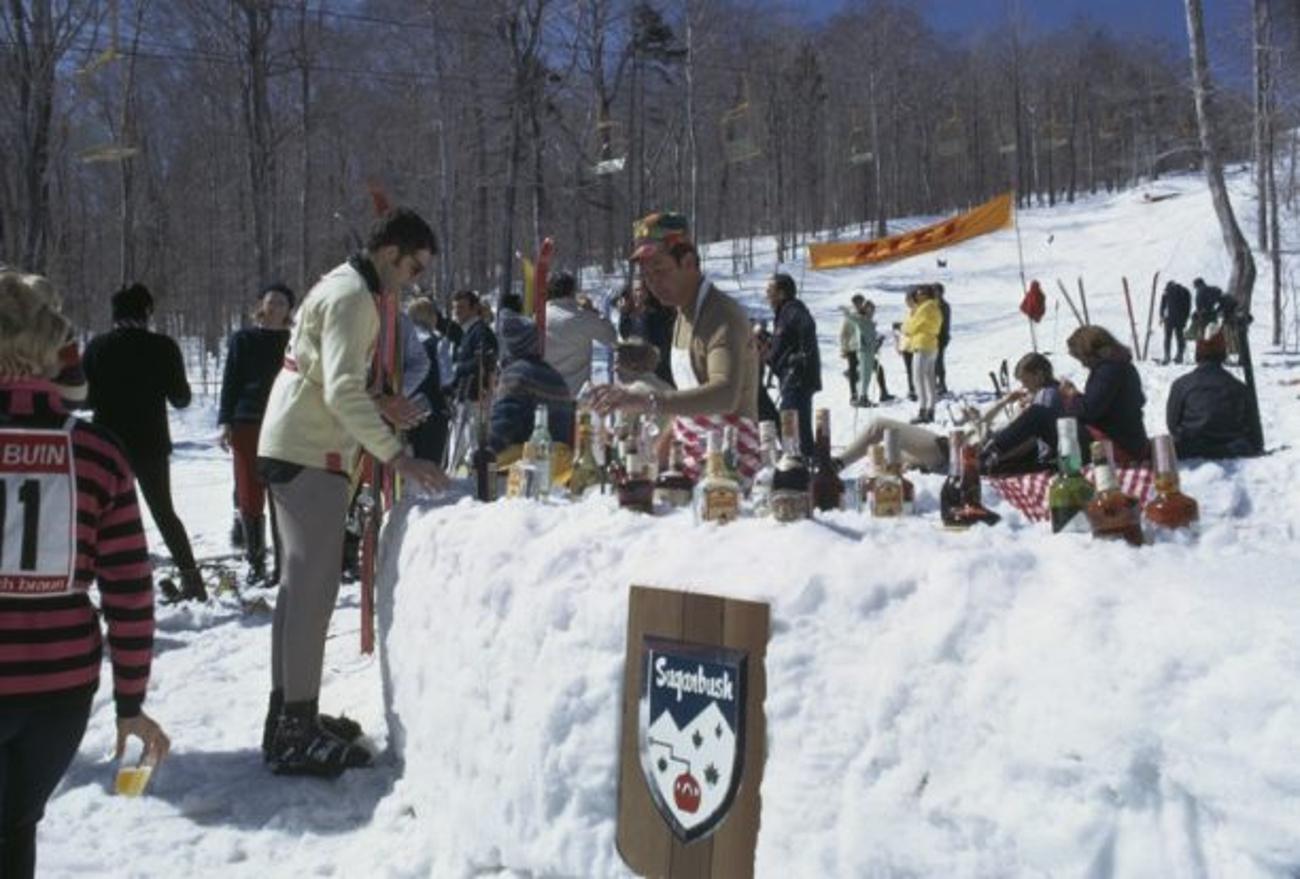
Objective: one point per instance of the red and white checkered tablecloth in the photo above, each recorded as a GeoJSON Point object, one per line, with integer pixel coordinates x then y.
{"type": "Point", "coordinates": [693, 432]}
{"type": "Point", "coordinates": [1028, 492]}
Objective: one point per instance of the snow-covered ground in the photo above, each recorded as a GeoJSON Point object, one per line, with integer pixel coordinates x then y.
{"type": "Point", "coordinates": [995, 703]}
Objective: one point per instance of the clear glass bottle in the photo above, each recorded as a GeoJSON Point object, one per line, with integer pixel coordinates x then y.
{"type": "Point", "coordinates": [791, 500]}
{"type": "Point", "coordinates": [673, 488]}
{"type": "Point", "coordinates": [760, 494]}
{"type": "Point", "coordinates": [522, 479]}
{"type": "Point", "coordinates": [717, 495]}
{"type": "Point", "coordinates": [894, 464]}
{"type": "Point", "coordinates": [1069, 492]}
{"type": "Point", "coordinates": [1112, 514]}
{"type": "Point", "coordinates": [541, 443]}
{"type": "Point", "coordinates": [1170, 508]}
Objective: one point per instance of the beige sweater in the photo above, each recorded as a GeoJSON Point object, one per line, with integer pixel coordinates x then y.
{"type": "Point", "coordinates": [319, 409]}
{"type": "Point", "coordinates": [723, 358]}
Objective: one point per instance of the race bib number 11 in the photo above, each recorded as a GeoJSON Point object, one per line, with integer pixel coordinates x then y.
{"type": "Point", "coordinates": [37, 511]}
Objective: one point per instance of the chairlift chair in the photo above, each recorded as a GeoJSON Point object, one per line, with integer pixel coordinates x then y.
{"type": "Point", "coordinates": [108, 152]}
{"type": "Point", "coordinates": [110, 54]}
{"type": "Point", "coordinates": [612, 148]}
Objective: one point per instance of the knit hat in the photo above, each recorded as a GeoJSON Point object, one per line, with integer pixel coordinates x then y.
{"type": "Point", "coordinates": [1212, 348]}
{"type": "Point", "coordinates": [518, 336]}
{"type": "Point", "coordinates": [658, 230]}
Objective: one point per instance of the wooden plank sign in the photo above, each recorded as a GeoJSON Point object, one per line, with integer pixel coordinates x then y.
{"type": "Point", "coordinates": [693, 737]}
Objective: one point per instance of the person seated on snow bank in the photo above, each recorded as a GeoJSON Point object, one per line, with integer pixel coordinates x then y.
{"type": "Point", "coordinates": [49, 670]}
{"type": "Point", "coordinates": [1109, 407]}
{"type": "Point", "coordinates": [526, 381]}
{"type": "Point", "coordinates": [1005, 453]}
{"type": "Point", "coordinates": [1208, 407]}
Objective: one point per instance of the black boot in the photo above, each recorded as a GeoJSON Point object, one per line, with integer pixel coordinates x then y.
{"type": "Point", "coordinates": [192, 588]}
{"type": "Point", "coordinates": [301, 746]}
{"type": "Point", "coordinates": [255, 549]}
{"type": "Point", "coordinates": [273, 708]}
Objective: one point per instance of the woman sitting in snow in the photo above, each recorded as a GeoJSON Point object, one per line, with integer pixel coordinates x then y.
{"type": "Point", "coordinates": [525, 382]}
{"type": "Point", "coordinates": [1109, 406]}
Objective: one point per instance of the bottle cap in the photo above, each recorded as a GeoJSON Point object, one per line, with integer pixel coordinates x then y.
{"type": "Point", "coordinates": [891, 446]}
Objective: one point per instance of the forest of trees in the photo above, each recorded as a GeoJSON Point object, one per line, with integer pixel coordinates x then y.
{"type": "Point", "coordinates": [206, 146]}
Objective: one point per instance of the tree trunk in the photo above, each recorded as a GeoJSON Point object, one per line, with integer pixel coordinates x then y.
{"type": "Point", "coordinates": [1259, 28]}
{"type": "Point", "coordinates": [1242, 281]}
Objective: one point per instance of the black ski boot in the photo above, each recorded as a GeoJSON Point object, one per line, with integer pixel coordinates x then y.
{"type": "Point", "coordinates": [255, 549]}
{"type": "Point", "coordinates": [301, 746]}
{"type": "Point", "coordinates": [192, 588]}
{"type": "Point", "coordinates": [341, 727]}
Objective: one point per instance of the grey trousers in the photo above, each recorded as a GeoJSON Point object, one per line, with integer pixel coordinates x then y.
{"type": "Point", "coordinates": [311, 509]}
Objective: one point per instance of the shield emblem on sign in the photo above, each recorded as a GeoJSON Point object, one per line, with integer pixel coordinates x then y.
{"type": "Point", "coordinates": [691, 728]}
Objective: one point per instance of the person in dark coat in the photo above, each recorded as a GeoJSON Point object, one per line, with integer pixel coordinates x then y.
{"type": "Point", "coordinates": [1207, 303]}
{"type": "Point", "coordinates": [475, 353]}
{"type": "Point", "coordinates": [254, 356]}
{"type": "Point", "coordinates": [1109, 406]}
{"type": "Point", "coordinates": [945, 336]}
{"type": "Point", "coordinates": [1175, 309]}
{"type": "Point", "coordinates": [133, 373]}
{"type": "Point", "coordinates": [1208, 407]}
{"type": "Point", "coordinates": [792, 354]}
{"type": "Point", "coordinates": [429, 437]}
{"type": "Point", "coordinates": [643, 316]}
{"type": "Point", "coordinates": [526, 381]}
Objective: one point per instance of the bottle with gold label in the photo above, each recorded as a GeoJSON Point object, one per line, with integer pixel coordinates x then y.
{"type": "Point", "coordinates": [717, 495]}
{"type": "Point", "coordinates": [586, 472]}
{"type": "Point", "coordinates": [887, 486]}
{"type": "Point", "coordinates": [673, 488]}
{"type": "Point", "coordinates": [541, 443]}
{"type": "Point", "coordinates": [791, 500]}
{"type": "Point", "coordinates": [760, 494]}
{"type": "Point", "coordinates": [1112, 514]}
{"type": "Point", "coordinates": [1170, 508]}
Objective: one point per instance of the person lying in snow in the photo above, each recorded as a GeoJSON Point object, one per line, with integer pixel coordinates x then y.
{"type": "Point", "coordinates": [922, 449]}
{"type": "Point", "coordinates": [1207, 407]}
{"type": "Point", "coordinates": [1109, 406]}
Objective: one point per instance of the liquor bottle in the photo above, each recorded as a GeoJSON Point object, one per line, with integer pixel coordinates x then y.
{"type": "Point", "coordinates": [1069, 492]}
{"type": "Point", "coordinates": [894, 464]}
{"type": "Point", "coordinates": [673, 488]}
{"type": "Point", "coordinates": [586, 472]}
{"type": "Point", "coordinates": [1170, 508]}
{"type": "Point", "coordinates": [522, 479]}
{"type": "Point", "coordinates": [887, 484]}
{"type": "Point", "coordinates": [484, 462]}
{"type": "Point", "coordinates": [1113, 514]}
{"type": "Point", "coordinates": [827, 489]}
{"type": "Point", "coordinates": [636, 491]}
{"type": "Point", "coordinates": [541, 443]}
{"type": "Point", "coordinates": [867, 481]}
{"type": "Point", "coordinates": [790, 498]}
{"type": "Point", "coordinates": [760, 494]}
{"type": "Point", "coordinates": [717, 495]}
{"type": "Point", "coordinates": [961, 501]}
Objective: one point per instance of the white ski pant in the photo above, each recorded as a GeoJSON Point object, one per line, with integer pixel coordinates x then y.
{"type": "Point", "coordinates": [923, 377]}
{"type": "Point", "coordinates": [312, 510]}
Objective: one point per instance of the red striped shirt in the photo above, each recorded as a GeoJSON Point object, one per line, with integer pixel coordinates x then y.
{"type": "Point", "coordinates": [51, 648]}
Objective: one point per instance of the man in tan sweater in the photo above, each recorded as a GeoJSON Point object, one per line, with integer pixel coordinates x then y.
{"type": "Point", "coordinates": [318, 417]}
{"type": "Point", "coordinates": [712, 328]}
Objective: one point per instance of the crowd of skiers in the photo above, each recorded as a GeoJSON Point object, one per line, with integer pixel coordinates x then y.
{"type": "Point", "coordinates": [298, 403]}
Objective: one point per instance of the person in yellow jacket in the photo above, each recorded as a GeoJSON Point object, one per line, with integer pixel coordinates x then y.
{"type": "Point", "coordinates": [317, 419]}
{"type": "Point", "coordinates": [921, 337]}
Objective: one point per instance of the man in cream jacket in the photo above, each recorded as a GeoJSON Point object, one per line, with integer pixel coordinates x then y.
{"type": "Point", "coordinates": [319, 416]}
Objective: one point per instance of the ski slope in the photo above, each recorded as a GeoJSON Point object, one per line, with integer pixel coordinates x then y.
{"type": "Point", "coordinates": [995, 703]}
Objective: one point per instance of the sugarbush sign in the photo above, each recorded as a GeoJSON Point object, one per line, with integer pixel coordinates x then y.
{"type": "Point", "coordinates": [691, 728]}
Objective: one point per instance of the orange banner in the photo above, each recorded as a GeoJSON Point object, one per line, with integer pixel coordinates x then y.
{"type": "Point", "coordinates": [988, 217]}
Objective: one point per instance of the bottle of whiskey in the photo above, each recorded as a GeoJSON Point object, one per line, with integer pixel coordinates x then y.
{"type": "Point", "coordinates": [731, 451]}
{"type": "Point", "coordinates": [541, 443]}
{"type": "Point", "coordinates": [760, 494]}
{"type": "Point", "coordinates": [1170, 508]}
{"type": "Point", "coordinates": [717, 495]}
{"type": "Point", "coordinates": [521, 482]}
{"type": "Point", "coordinates": [961, 501]}
{"type": "Point", "coordinates": [673, 488]}
{"type": "Point", "coordinates": [586, 472]}
{"type": "Point", "coordinates": [827, 489]}
{"type": "Point", "coordinates": [867, 481]}
{"type": "Point", "coordinates": [484, 462]}
{"type": "Point", "coordinates": [636, 491]}
{"type": "Point", "coordinates": [791, 500]}
{"type": "Point", "coordinates": [887, 484]}
{"type": "Point", "coordinates": [894, 464]}
{"type": "Point", "coordinates": [1069, 492]}
{"type": "Point", "coordinates": [1113, 514]}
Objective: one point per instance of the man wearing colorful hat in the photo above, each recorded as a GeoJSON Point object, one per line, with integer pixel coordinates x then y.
{"type": "Point", "coordinates": [714, 332]}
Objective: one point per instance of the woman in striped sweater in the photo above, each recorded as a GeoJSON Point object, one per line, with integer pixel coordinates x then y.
{"type": "Point", "coordinates": [68, 515]}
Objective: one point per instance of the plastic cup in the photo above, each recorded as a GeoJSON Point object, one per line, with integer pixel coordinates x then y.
{"type": "Point", "coordinates": [132, 780]}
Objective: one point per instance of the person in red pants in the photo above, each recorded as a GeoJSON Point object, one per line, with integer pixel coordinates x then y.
{"type": "Point", "coordinates": [72, 519]}
{"type": "Point", "coordinates": [254, 356]}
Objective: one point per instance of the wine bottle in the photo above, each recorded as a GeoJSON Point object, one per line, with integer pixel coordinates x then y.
{"type": "Point", "coordinates": [827, 489]}
{"type": "Point", "coordinates": [1069, 492]}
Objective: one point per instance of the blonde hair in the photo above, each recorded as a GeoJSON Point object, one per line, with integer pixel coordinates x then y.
{"type": "Point", "coordinates": [31, 329]}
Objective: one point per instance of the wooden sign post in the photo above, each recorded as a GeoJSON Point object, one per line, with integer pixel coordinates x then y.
{"type": "Point", "coordinates": [693, 737]}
